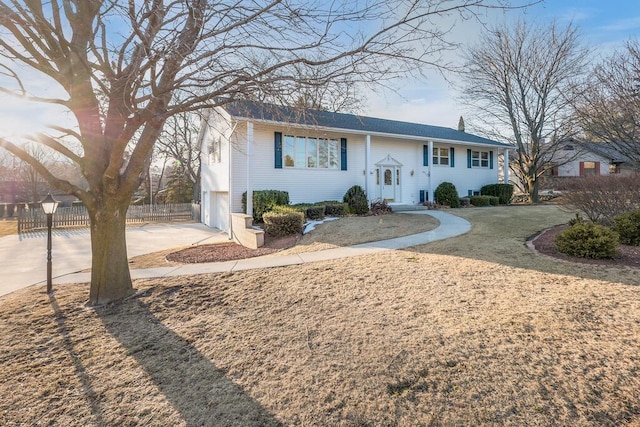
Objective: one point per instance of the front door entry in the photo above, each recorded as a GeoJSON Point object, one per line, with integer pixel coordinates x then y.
{"type": "Point", "coordinates": [388, 184]}
{"type": "Point", "coordinates": [388, 179]}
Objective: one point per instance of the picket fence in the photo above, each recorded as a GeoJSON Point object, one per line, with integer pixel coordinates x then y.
{"type": "Point", "coordinates": [77, 216]}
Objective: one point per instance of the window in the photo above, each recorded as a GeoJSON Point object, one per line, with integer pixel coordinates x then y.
{"type": "Point", "coordinates": [214, 151]}
{"type": "Point", "coordinates": [480, 159]}
{"type": "Point", "coordinates": [310, 153]}
{"type": "Point", "coordinates": [589, 168]}
{"type": "Point", "coordinates": [568, 148]}
{"type": "Point", "coordinates": [441, 156]}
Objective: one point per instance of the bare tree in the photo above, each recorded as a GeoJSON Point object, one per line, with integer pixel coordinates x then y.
{"type": "Point", "coordinates": [124, 68]}
{"type": "Point", "coordinates": [179, 141]}
{"type": "Point", "coordinates": [519, 78]}
{"type": "Point", "coordinates": [608, 108]}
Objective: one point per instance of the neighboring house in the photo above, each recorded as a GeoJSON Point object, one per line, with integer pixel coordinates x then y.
{"type": "Point", "coordinates": [576, 158]}
{"type": "Point", "coordinates": [317, 156]}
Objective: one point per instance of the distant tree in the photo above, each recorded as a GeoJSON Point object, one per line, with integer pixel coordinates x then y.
{"type": "Point", "coordinates": [519, 77]}
{"type": "Point", "coordinates": [124, 68]}
{"type": "Point", "coordinates": [179, 142]}
{"type": "Point", "coordinates": [608, 106]}
{"type": "Point", "coordinates": [179, 186]}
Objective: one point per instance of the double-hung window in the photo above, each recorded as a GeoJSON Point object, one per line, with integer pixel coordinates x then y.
{"type": "Point", "coordinates": [480, 159]}
{"type": "Point", "coordinates": [441, 156]}
{"type": "Point", "coordinates": [311, 153]}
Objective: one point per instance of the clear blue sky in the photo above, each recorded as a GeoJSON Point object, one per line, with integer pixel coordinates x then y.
{"type": "Point", "coordinates": [604, 25]}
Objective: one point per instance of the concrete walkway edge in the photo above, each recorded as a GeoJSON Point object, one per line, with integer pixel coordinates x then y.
{"type": "Point", "coordinates": [450, 226]}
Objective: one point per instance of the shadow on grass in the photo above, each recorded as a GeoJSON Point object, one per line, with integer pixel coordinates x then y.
{"type": "Point", "coordinates": [78, 366]}
{"type": "Point", "coordinates": [193, 385]}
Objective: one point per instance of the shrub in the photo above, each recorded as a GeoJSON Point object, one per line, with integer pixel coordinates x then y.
{"type": "Point", "coordinates": [465, 201]}
{"type": "Point", "coordinates": [315, 212]}
{"type": "Point", "coordinates": [602, 198]}
{"type": "Point", "coordinates": [283, 221]}
{"type": "Point", "coordinates": [628, 227]}
{"type": "Point", "coordinates": [577, 220]}
{"type": "Point", "coordinates": [265, 201]}
{"type": "Point", "coordinates": [479, 201]}
{"type": "Point", "coordinates": [588, 240]}
{"type": "Point", "coordinates": [503, 192]}
{"type": "Point", "coordinates": [335, 209]}
{"type": "Point", "coordinates": [380, 207]}
{"type": "Point", "coordinates": [356, 198]}
{"type": "Point", "coordinates": [446, 194]}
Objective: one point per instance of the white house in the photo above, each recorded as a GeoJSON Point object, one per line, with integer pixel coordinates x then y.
{"type": "Point", "coordinates": [317, 156]}
{"type": "Point", "coordinates": [581, 158]}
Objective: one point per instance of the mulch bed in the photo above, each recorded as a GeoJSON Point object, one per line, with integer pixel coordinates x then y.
{"type": "Point", "coordinates": [544, 243]}
{"type": "Point", "coordinates": [231, 251]}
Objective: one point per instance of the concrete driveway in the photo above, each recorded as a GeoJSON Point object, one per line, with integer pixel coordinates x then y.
{"type": "Point", "coordinates": [23, 259]}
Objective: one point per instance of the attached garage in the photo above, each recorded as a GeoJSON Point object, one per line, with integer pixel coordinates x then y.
{"type": "Point", "coordinates": [216, 206]}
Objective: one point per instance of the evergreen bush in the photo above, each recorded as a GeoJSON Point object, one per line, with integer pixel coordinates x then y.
{"type": "Point", "coordinates": [628, 227]}
{"type": "Point", "coordinates": [479, 201]}
{"type": "Point", "coordinates": [264, 201]}
{"type": "Point", "coordinates": [504, 192]}
{"type": "Point", "coordinates": [447, 194]}
{"type": "Point", "coordinates": [588, 240]}
{"type": "Point", "coordinates": [283, 221]}
{"type": "Point", "coordinates": [356, 198]}
{"type": "Point", "coordinates": [315, 212]}
{"type": "Point", "coordinates": [335, 209]}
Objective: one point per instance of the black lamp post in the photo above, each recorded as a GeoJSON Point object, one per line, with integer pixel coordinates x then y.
{"type": "Point", "coordinates": [49, 206]}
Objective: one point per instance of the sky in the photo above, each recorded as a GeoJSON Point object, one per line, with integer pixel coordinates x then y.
{"type": "Point", "coordinates": [604, 27]}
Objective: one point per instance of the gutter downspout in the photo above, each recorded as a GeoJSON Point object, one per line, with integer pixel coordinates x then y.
{"type": "Point", "coordinates": [230, 196]}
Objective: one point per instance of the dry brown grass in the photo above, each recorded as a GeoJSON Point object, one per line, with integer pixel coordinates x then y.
{"type": "Point", "coordinates": [8, 227]}
{"type": "Point", "coordinates": [399, 338]}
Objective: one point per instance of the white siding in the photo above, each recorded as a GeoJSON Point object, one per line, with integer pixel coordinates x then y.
{"type": "Point", "coordinates": [572, 167]}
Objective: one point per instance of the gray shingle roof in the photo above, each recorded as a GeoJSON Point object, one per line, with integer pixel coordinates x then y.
{"type": "Point", "coordinates": [609, 150]}
{"type": "Point", "coordinates": [277, 113]}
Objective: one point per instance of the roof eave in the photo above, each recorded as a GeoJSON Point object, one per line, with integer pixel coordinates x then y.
{"type": "Point", "coordinates": [361, 132]}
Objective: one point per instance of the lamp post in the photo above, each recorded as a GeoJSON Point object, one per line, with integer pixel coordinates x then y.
{"type": "Point", "coordinates": [49, 206]}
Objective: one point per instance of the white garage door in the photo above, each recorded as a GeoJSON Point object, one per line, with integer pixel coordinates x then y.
{"type": "Point", "coordinates": [220, 210]}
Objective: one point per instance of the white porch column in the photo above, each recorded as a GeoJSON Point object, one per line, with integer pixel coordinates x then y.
{"type": "Point", "coordinates": [429, 170]}
{"type": "Point", "coordinates": [249, 155]}
{"type": "Point", "coordinates": [506, 165]}
{"type": "Point", "coordinates": [367, 166]}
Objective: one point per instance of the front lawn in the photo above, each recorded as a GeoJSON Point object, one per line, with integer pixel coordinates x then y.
{"type": "Point", "coordinates": [442, 334]}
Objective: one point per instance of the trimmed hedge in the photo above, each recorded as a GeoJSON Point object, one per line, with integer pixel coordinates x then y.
{"type": "Point", "coordinates": [315, 212]}
{"type": "Point", "coordinates": [628, 227]}
{"type": "Point", "coordinates": [504, 192]}
{"type": "Point", "coordinates": [447, 194]}
{"type": "Point", "coordinates": [479, 201]}
{"type": "Point", "coordinates": [588, 240]}
{"type": "Point", "coordinates": [283, 221]}
{"type": "Point", "coordinates": [356, 198]}
{"type": "Point", "coordinates": [336, 209]}
{"type": "Point", "coordinates": [264, 201]}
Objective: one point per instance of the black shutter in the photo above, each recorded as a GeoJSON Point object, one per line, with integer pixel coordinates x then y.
{"type": "Point", "coordinates": [343, 154]}
{"type": "Point", "coordinates": [277, 152]}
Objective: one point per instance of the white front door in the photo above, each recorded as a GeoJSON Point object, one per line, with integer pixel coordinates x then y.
{"type": "Point", "coordinates": [388, 190]}
{"type": "Point", "coordinates": [388, 179]}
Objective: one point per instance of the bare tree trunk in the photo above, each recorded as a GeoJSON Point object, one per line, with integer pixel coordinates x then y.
{"type": "Point", "coordinates": [110, 277]}
{"type": "Point", "coordinates": [532, 188]}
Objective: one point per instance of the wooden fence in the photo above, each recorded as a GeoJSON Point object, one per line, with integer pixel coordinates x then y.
{"type": "Point", "coordinates": [77, 216]}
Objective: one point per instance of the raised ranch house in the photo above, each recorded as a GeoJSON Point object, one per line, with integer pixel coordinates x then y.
{"type": "Point", "coordinates": [318, 155]}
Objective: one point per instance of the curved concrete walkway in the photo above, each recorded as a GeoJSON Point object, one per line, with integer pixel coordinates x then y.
{"type": "Point", "coordinates": [450, 226]}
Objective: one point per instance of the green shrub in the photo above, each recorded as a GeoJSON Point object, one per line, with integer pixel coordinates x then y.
{"type": "Point", "coordinates": [479, 201]}
{"type": "Point", "coordinates": [504, 192]}
{"type": "Point", "coordinates": [577, 220]}
{"type": "Point", "coordinates": [588, 240]}
{"type": "Point", "coordinates": [315, 212]}
{"type": "Point", "coordinates": [335, 209]}
{"type": "Point", "coordinates": [446, 194]}
{"type": "Point", "coordinates": [628, 227]}
{"type": "Point", "coordinates": [283, 221]}
{"type": "Point", "coordinates": [356, 198]}
{"type": "Point", "coordinates": [265, 201]}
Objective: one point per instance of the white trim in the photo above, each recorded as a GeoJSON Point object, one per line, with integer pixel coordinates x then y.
{"type": "Point", "coordinates": [367, 166]}
{"type": "Point", "coordinates": [429, 170]}
{"type": "Point", "coordinates": [249, 155]}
